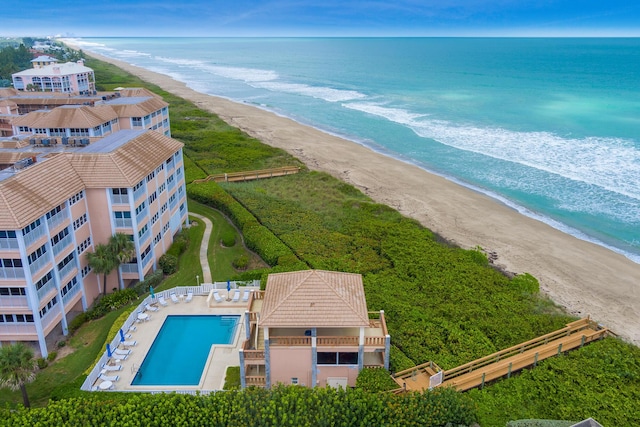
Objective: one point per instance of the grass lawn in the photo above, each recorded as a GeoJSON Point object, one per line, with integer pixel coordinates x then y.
{"type": "Point", "coordinates": [64, 376]}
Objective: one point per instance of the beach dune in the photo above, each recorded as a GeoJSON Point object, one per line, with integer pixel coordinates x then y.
{"type": "Point", "coordinates": [584, 278]}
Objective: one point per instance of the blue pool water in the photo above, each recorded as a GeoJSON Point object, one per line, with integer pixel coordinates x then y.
{"type": "Point", "coordinates": [180, 351]}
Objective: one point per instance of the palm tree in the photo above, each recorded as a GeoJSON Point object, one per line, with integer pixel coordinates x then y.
{"type": "Point", "coordinates": [102, 261]}
{"type": "Point", "coordinates": [17, 368]}
{"type": "Point", "coordinates": [123, 250]}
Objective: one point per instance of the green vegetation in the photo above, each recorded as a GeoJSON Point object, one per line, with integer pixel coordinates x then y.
{"type": "Point", "coordinates": [441, 303]}
{"type": "Point", "coordinates": [107, 257]}
{"type": "Point", "coordinates": [374, 380]}
{"type": "Point", "coordinates": [12, 60]}
{"type": "Point", "coordinates": [17, 368]}
{"type": "Point", "coordinates": [282, 406]}
{"type": "Point", "coordinates": [232, 379]}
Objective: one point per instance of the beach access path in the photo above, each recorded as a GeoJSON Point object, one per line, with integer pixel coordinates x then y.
{"type": "Point", "coordinates": [584, 278]}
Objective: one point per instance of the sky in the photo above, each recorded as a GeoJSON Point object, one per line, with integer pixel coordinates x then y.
{"type": "Point", "coordinates": [274, 18]}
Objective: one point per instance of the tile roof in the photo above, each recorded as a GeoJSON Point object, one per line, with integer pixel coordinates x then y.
{"type": "Point", "coordinates": [123, 158]}
{"type": "Point", "coordinates": [35, 190]}
{"type": "Point", "coordinates": [136, 106]}
{"type": "Point", "coordinates": [314, 298]}
{"type": "Point", "coordinates": [68, 116]}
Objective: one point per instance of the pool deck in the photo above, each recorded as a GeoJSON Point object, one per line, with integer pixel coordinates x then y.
{"type": "Point", "coordinates": [220, 357]}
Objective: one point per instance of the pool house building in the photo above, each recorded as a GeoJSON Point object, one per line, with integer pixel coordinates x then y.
{"type": "Point", "coordinates": [311, 328]}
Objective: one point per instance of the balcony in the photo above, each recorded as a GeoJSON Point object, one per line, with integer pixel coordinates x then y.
{"type": "Point", "coordinates": [38, 264]}
{"type": "Point", "coordinates": [139, 192]}
{"type": "Point", "coordinates": [62, 245]}
{"type": "Point", "coordinates": [9, 243]}
{"type": "Point", "coordinates": [17, 301]}
{"type": "Point", "coordinates": [71, 294]}
{"type": "Point", "coordinates": [55, 220]}
{"type": "Point", "coordinates": [120, 199]}
{"type": "Point", "coordinates": [43, 291]}
{"type": "Point", "coordinates": [66, 270]}
{"type": "Point", "coordinates": [12, 273]}
{"type": "Point", "coordinates": [141, 215]}
{"type": "Point", "coordinates": [123, 222]}
{"type": "Point", "coordinates": [33, 236]}
{"type": "Point", "coordinates": [25, 330]}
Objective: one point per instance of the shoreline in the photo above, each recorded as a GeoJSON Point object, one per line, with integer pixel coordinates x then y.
{"type": "Point", "coordinates": [583, 277]}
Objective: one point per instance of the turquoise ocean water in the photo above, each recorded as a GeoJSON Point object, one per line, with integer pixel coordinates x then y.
{"type": "Point", "coordinates": [550, 127]}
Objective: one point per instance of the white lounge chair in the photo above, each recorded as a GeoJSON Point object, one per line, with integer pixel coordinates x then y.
{"type": "Point", "coordinates": [217, 296]}
{"type": "Point", "coordinates": [245, 295]}
{"type": "Point", "coordinates": [118, 356]}
{"type": "Point", "coordinates": [174, 298]}
{"type": "Point", "coordinates": [163, 302]}
{"type": "Point", "coordinates": [112, 378]}
{"type": "Point", "coordinates": [132, 328]}
{"type": "Point", "coordinates": [122, 352]}
{"type": "Point", "coordinates": [151, 308]}
{"type": "Point", "coordinates": [189, 297]}
{"type": "Point", "coordinates": [106, 367]}
{"type": "Point", "coordinates": [236, 295]}
{"type": "Point", "coordinates": [129, 343]}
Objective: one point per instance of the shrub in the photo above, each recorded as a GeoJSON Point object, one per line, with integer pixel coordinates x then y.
{"type": "Point", "coordinates": [179, 245]}
{"type": "Point", "coordinates": [52, 356]}
{"type": "Point", "coordinates": [62, 343]}
{"type": "Point", "coordinates": [232, 379]}
{"type": "Point", "coordinates": [241, 262]}
{"type": "Point", "coordinates": [111, 302]}
{"type": "Point", "coordinates": [153, 279]}
{"type": "Point", "coordinates": [375, 379]}
{"type": "Point", "coordinates": [168, 263]}
{"type": "Point", "coordinates": [42, 362]}
{"type": "Point", "coordinates": [77, 321]}
{"type": "Point", "coordinates": [228, 238]}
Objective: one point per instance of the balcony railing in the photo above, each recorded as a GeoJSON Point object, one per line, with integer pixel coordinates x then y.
{"type": "Point", "coordinates": [69, 295]}
{"type": "Point", "coordinates": [143, 213]}
{"type": "Point", "coordinates": [50, 316]}
{"type": "Point", "coordinates": [290, 341]}
{"type": "Point", "coordinates": [62, 245]}
{"type": "Point", "coordinates": [145, 236]}
{"type": "Point", "coordinates": [11, 273]}
{"type": "Point", "coordinates": [259, 381]}
{"type": "Point", "coordinates": [120, 199]}
{"type": "Point", "coordinates": [55, 220]}
{"type": "Point", "coordinates": [123, 222]}
{"type": "Point", "coordinates": [34, 235]}
{"type": "Point", "coordinates": [46, 289]}
{"type": "Point", "coordinates": [129, 268]}
{"type": "Point", "coordinates": [14, 301]}
{"type": "Point", "coordinates": [139, 192]}
{"type": "Point", "coordinates": [253, 354]}
{"type": "Point", "coordinates": [18, 329]}
{"type": "Point", "coordinates": [38, 264]}
{"type": "Point", "coordinates": [9, 243]}
{"type": "Point", "coordinates": [64, 272]}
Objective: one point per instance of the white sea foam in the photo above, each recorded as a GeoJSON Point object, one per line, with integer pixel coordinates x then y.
{"type": "Point", "coordinates": [609, 163]}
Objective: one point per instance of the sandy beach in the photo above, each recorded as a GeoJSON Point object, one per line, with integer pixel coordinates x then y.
{"type": "Point", "coordinates": [583, 277]}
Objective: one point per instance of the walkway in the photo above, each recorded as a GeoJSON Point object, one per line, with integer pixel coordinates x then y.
{"type": "Point", "coordinates": [502, 363]}
{"type": "Point", "coordinates": [204, 245]}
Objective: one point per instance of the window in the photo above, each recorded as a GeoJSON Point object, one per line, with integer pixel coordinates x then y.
{"type": "Point", "coordinates": [159, 168]}
{"type": "Point", "coordinates": [136, 121]}
{"type": "Point", "coordinates": [10, 234]}
{"type": "Point", "coordinates": [44, 280]}
{"type": "Point", "coordinates": [35, 255]}
{"type": "Point", "coordinates": [55, 211]}
{"type": "Point", "coordinates": [333, 358]}
{"type": "Point", "coordinates": [122, 215]}
{"type": "Point", "coordinates": [152, 197]}
{"type": "Point", "coordinates": [79, 132]}
{"type": "Point", "coordinates": [162, 187]}
{"type": "Point", "coordinates": [86, 270]}
{"type": "Point", "coordinates": [62, 264]}
{"type": "Point", "coordinates": [65, 290]}
{"type": "Point", "coordinates": [165, 228]}
{"type": "Point", "coordinates": [49, 306]}
{"type": "Point", "coordinates": [29, 228]}
{"type": "Point", "coordinates": [163, 208]}
{"type": "Point", "coordinates": [151, 176]}
{"type": "Point", "coordinates": [78, 222]}
{"type": "Point", "coordinates": [77, 197]}
{"type": "Point", "coordinates": [144, 253]}
{"type": "Point", "coordinates": [141, 207]}
{"type": "Point", "coordinates": [14, 292]}
{"type": "Point", "coordinates": [155, 218]}
{"type": "Point", "coordinates": [84, 245]}
{"type": "Point", "coordinates": [58, 237]}
{"type": "Point", "coordinates": [10, 263]}
{"type": "Point", "coordinates": [116, 191]}
{"type": "Point", "coordinates": [16, 318]}
{"type": "Point", "coordinates": [294, 381]}
{"type": "Point", "coordinates": [138, 185]}
{"type": "Point", "coordinates": [143, 230]}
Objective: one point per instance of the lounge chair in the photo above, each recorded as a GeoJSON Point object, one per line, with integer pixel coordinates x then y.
{"type": "Point", "coordinates": [217, 296]}
{"type": "Point", "coordinates": [129, 343]}
{"type": "Point", "coordinates": [245, 295]}
{"type": "Point", "coordinates": [150, 307]}
{"type": "Point", "coordinates": [106, 367]}
{"type": "Point", "coordinates": [163, 302]}
{"type": "Point", "coordinates": [236, 295]}
{"type": "Point", "coordinates": [174, 298]}
{"type": "Point", "coordinates": [118, 356]}
{"type": "Point", "coordinates": [122, 352]}
{"type": "Point", "coordinates": [132, 328]}
{"type": "Point", "coordinates": [189, 297]}
{"type": "Point", "coordinates": [112, 378]}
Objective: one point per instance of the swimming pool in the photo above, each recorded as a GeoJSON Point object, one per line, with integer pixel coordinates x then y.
{"type": "Point", "coordinates": [181, 348]}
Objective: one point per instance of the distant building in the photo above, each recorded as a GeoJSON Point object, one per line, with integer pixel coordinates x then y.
{"type": "Point", "coordinates": [69, 78]}
{"type": "Point", "coordinates": [43, 60]}
{"type": "Point", "coordinates": [312, 328]}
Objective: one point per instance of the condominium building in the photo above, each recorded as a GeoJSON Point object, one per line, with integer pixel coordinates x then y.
{"type": "Point", "coordinates": [57, 201]}
{"type": "Point", "coordinates": [311, 328]}
{"type": "Point", "coordinates": [68, 78]}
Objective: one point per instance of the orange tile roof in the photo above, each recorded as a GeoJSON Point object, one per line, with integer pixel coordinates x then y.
{"type": "Point", "coordinates": [126, 165]}
{"type": "Point", "coordinates": [314, 298]}
{"type": "Point", "coordinates": [68, 117]}
{"type": "Point", "coordinates": [35, 190]}
{"type": "Point", "coordinates": [140, 109]}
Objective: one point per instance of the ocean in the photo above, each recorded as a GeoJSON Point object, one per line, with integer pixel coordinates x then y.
{"type": "Point", "coordinates": [547, 126]}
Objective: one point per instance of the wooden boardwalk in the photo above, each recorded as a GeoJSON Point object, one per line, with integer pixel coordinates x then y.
{"type": "Point", "coordinates": [502, 363]}
{"type": "Point", "coordinates": [250, 175]}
